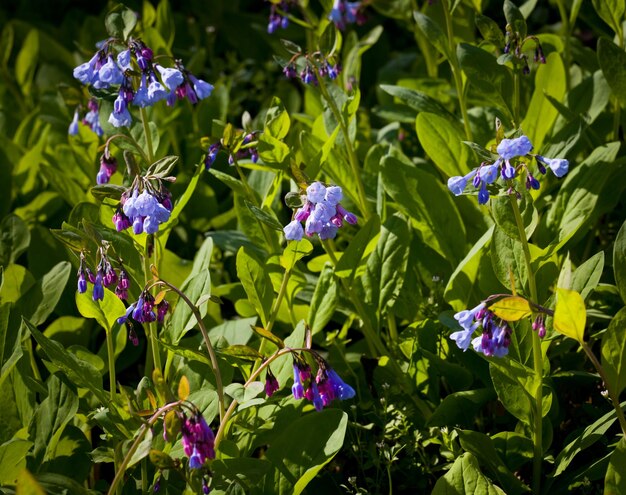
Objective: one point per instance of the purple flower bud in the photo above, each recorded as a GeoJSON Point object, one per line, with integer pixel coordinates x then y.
{"type": "Point", "coordinates": [483, 194]}
{"type": "Point", "coordinates": [271, 383]}
{"type": "Point", "coordinates": [297, 389]}
{"type": "Point", "coordinates": [82, 282]}
{"type": "Point", "coordinates": [508, 171]}
{"type": "Point", "coordinates": [98, 289]}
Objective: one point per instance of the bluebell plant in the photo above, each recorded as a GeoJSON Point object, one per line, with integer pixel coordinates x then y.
{"type": "Point", "coordinates": [246, 150]}
{"type": "Point", "coordinates": [344, 13]}
{"type": "Point", "coordinates": [91, 119]}
{"type": "Point", "coordinates": [309, 67]}
{"type": "Point", "coordinates": [321, 212]}
{"type": "Point", "coordinates": [131, 70]}
{"type": "Point", "coordinates": [514, 157]}
{"type": "Point", "coordinates": [105, 276]}
{"type": "Point", "coordinates": [278, 16]}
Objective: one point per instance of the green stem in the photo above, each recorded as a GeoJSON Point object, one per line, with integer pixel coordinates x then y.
{"type": "Point", "coordinates": [614, 399]}
{"type": "Point", "coordinates": [133, 448]}
{"type": "Point", "coordinates": [516, 96]}
{"type": "Point", "coordinates": [111, 358]}
{"type": "Point", "coordinates": [144, 476]}
{"type": "Point", "coordinates": [146, 130]}
{"type": "Point", "coordinates": [537, 352]}
{"type": "Point", "coordinates": [144, 157]}
{"type": "Point", "coordinates": [352, 158]}
{"type": "Point", "coordinates": [205, 335]}
{"type": "Point", "coordinates": [456, 71]}
{"type": "Point", "coordinates": [567, 52]}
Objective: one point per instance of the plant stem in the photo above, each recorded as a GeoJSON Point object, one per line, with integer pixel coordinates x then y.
{"type": "Point", "coordinates": [142, 431]}
{"type": "Point", "coordinates": [567, 52]}
{"type": "Point", "coordinates": [111, 358]}
{"type": "Point", "coordinates": [205, 335]}
{"type": "Point", "coordinates": [146, 130]}
{"type": "Point", "coordinates": [352, 158]}
{"type": "Point", "coordinates": [537, 353]}
{"type": "Point", "coordinates": [516, 96]}
{"type": "Point", "coordinates": [456, 71]}
{"type": "Point", "coordinates": [614, 399]}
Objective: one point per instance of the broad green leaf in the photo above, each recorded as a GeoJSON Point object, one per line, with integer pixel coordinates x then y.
{"type": "Point", "coordinates": [105, 312]}
{"type": "Point", "coordinates": [120, 22]}
{"type": "Point", "coordinates": [41, 299]}
{"type": "Point", "coordinates": [27, 484]}
{"type": "Point", "coordinates": [80, 372]}
{"type": "Point", "coordinates": [443, 142]}
{"type": "Point", "coordinates": [256, 282]}
{"type": "Point", "coordinates": [319, 438]}
{"type": "Point", "coordinates": [277, 341]}
{"type": "Point", "coordinates": [352, 61]}
{"type": "Point", "coordinates": [508, 261]}
{"type": "Point", "coordinates": [465, 477]}
{"type": "Point", "coordinates": [512, 308]}
{"type": "Point", "coordinates": [612, 60]}
{"type": "Point", "coordinates": [265, 216]}
{"type": "Point", "coordinates": [433, 33]}
{"type": "Point", "coordinates": [541, 115]}
{"type": "Point", "coordinates": [503, 215]}
{"type": "Point", "coordinates": [353, 255]}
{"type": "Point", "coordinates": [619, 261]}
{"type": "Point", "coordinates": [615, 480]}
{"type": "Point", "coordinates": [13, 459]}
{"type": "Point", "coordinates": [460, 408]}
{"type": "Point", "coordinates": [611, 12]}
{"type": "Point", "coordinates": [16, 281]}
{"type": "Point", "coordinates": [570, 315]}
{"type": "Point", "coordinates": [516, 386]}
{"type": "Point", "coordinates": [614, 352]}
{"type": "Point", "coordinates": [324, 300]}
{"type": "Point", "coordinates": [162, 168]}
{"type": "Point", "coordinates": [483, 448]}
{"type": "Point", "coordinates": [419, 101]}
{"type": "Point", "coordinates": [489, 30]}
{"type": "Point", "coordinates": [14, 239]}
{"type": "Point", "coordinates": [244, 352]}
{"type": "Point", "coordinates": [514, 449]}
{"type": "Point", "coordinates": [26, 62]}
{"type": "Point", "coordinates": [387, 265]}
{"type": "Point", "coordinates": [295, 251]}
{"type": "Point", "coordinates": [272, 151]}
{"type": "Point", "coordinates": [415, 191]}
{"type": "Point", "coordinates": [277, 120]}
{"type": "Point", "coordinates": [515, 18]}
{"type": "Point", "coordinates": [587, 276]}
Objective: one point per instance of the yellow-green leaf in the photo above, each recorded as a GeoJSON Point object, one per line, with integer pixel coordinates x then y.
{"type": "Point", "coordinates": [183, 388]}
{"type": "Point", "coordinates": [570, 315]}
{"type": "Point", "coordinates": [512, 308]}
{"type": "Point", "coordinates": [104, 312]}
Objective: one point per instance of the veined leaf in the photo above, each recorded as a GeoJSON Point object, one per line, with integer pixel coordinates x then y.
{"type": "Point", "coordinates": [570, 315]}
{"type": "Point", "coordinates": [512, 308]}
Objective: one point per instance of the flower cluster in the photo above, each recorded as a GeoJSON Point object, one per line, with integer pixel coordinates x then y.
{"type": "Point", "coordinates": [321, 390]}
{"type": "Point", "coordinates": [344, 13]}
{"type": "Point", "coordinates": [248, 150]}
{"type": "Point", "coordinates": [105, 276]}
{"type": "Point", "coordinates": [91, 119]}
{"type": "Point", "coordinates": [278, 19]}
{"type": "Point", "coordinates": [514, 48]}
{"type": "Point", "coordinates": [108, 166]}
{"type": "Point", "coordinates": [309, 67]}
{"type": "Point", "coordinates": [198, 440]}
{"type": "Point", "coordinates": [496, 333]}
{"type": "Point", "coordinates": [321, 212]}
{"type": "Point", "coordinates": [133, 73]}
{"type": "Point", "coordinates": [508, 149]}
{"type": "Point", "coordinates": [143, 310]}
{"type": "Point", "coordinates": [144, 210]}
{"type": "Point", "coordinates": [271, 383]}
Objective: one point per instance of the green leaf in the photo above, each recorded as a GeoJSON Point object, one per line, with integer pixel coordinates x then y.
{"type": "Point", "coordinates": [26, 61]}
{"type": "Point", "coordinates": [443, 142]}
{"type": "Point", "coordinates": [277, 341]}
{"type": "Point", "coordinates": [387, 265]}
{"type": "Point", "coordinates": [13, 459]}
{"type": "Point", "coordinates": [515, 18]}
{"type": "Point", "coordinates": [27, 484]}
{"type": "Point", "coordinates": [433, 33]}
{"type": "Point", "coordinates": [272, 151]}
{"type": "Point", "coordinates": [516, 386]}
{"type": "Point", "coordinates": [80, 372]}
{"type": "Point", "coordinates": [619, 261]}
{"type": "Point", "coordinates": [419, 101]}
{"type": "Point", "coordinates": [465, 477]}
{"type": "Point", "coordinates": [162, 168]}
{"type": "Point", "coordinates": [256, 282]}
{"type": "Point", "coordinates": [324, 300]}
{"type": "Point", "coordinates": [120, 22]}
{"type": "Point", "coordinates": [507, 260]}
{"type": "Point", "coordinates": [483, 448]}
{"type": "Point", "coordinates": [105, 312]}
{"type": "Point", "coordinates": [615, 480]}
{"type": "Point", "coordinates": [319, 438]}
{"type": "Point", "coordinates": [41, 299]}
{"type": "Point", "coordinates": [353, 255]}
{"type": "Point", "coordinates": [415, 191]}
{"type": "Point", "coordinates": [489, 30]}
{"type": "Point", "coordinates": [612, 60]}
{"type": "Point", "coordinates": [614, 353]}
{"type": "Point", "coordinates": [587, 276]}
{"type": "Point", "coordinates": [570, 315]}
{"type": "Point", "coordinates": [244, 352]}
{"type": "Point", "coordinates": [460, 408]}
{"type": "Point", "coordinates": [102, 191]}
{"type": "Point", "coordinates": [14, 239]}
{"type": "Point", "coordinates": [611, 12]}
{"type": "Point", "coordinates": [541, 115]}
{"type": "Point", "coordinates": [515, 449]}
{"type": "Point", "coordinates": [277, 120]}
{"type": "Point", "coordinates": [294, 252]}
{"type": "Point", "coordinates": [512, 308]}
{"type": "Point", "coordinates": [265, 216]}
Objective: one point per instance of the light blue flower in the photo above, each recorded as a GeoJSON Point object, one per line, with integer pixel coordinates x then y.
{"type": "Point", "coordinates": [120, 119]}
{"type": "Point", "coordinates": [172, 78]}
{"type": "Point", "coordinates": [458, 183]}
{"type": "Point", "coordinates": [110, 74]}
{"type": "Point", "coordinates": [73, 128]}
{"type": "Point", "coordinates": [202, 88]}
{"type": "Point", "coordinates": [489, 173]}
{"type": "Point", "coordinates": [123, 60]}
{"type": "Point", "coordinates": [559, 166]}
{"type": "Point", "coordinates": [333, 195]}
{"type": "Point", "coordinates": [141, 98]}
{"type": "Point", "coordinates": [293, 231]}
{"type": "Point", "coordinates": [316, 192]}
{"type": "Point", "coordinates": [510, 148]}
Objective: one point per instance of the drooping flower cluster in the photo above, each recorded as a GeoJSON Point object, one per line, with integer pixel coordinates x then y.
{"type": "Point", "coordinates": [108, 166]}
{"type": "Point", "coordinates": [143, 207]}
{"type": "Point", "coordinates": [308, 68]}
{"type": "Point", "coordinates": [514, 48]}
{"type": "Point", "coordinates": [143, 310]}
{"type": "Point", "coordinates": [278, 19]}
{"type": "Point", "coordinates": [198, 440]}
{"type": "Point", "coordinates": [271, 383]}
{"type": "Point", "coordinates": [487, 174]}
{"type": "Point", "coordinates": [248, 150]}
{"type": "Point", "coordinates": [321, 390]}
{"type": "Point", "coordinates": [105, 276]}
{"type": "Point", "coordinates": [322, 213]}
{"type": "Point", "coordinates": [496, 333]}
{"type": "Point", "coordinates": [130, 70]}
{"type": "Point", "coordinates": [91, 119]}
{"type": "Point", "coordinates": [344, 13]}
